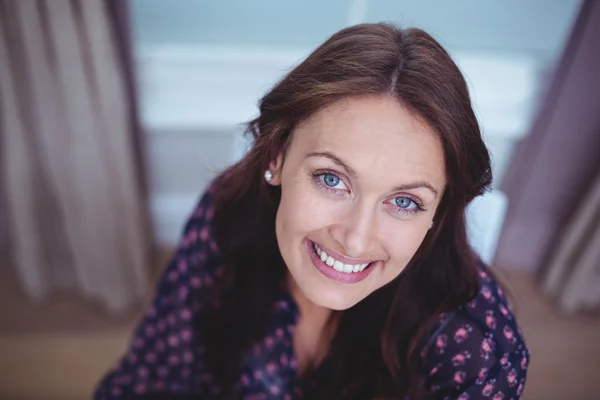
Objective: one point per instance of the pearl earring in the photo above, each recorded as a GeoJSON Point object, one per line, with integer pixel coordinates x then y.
{"type": "Point", "coordinates": [431, 225]}
{"type": "Point", "coordinates": [268, 175]}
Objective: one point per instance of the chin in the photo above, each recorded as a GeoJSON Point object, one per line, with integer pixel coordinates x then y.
{"type": "Point", "coordinates": [332, 299]}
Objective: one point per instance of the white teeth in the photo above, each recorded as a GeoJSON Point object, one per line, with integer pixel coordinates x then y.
{"type": "Point", "coordinates": [338, 265]}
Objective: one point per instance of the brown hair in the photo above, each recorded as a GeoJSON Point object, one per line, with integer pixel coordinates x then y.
{"type": "Point", "coordinates": [389, 327]}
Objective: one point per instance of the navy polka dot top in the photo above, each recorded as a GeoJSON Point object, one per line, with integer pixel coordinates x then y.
{"type": "Point", "coordinates": [475, 352]}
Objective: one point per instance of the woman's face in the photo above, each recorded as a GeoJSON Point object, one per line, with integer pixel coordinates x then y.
{"type": "Point", "coordinates": [360, 184]}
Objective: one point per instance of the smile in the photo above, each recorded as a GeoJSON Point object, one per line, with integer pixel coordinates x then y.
{"type": "Point", "coordinates": [337, 267]}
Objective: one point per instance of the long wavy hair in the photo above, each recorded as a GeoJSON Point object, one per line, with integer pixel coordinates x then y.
{"type": "Point", "coordinates": [389, 327]}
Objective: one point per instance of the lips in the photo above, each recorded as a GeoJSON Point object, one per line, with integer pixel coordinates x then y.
{"type": "Point", "coordinates": [339, 271]}
{"type": "Point", "coordinates": [337, 264]}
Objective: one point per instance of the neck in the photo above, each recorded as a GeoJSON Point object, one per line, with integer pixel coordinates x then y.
{"type": "Point", "coordinates": [308, 309]}
{"type": "Point", "coordinates": [314, 331]}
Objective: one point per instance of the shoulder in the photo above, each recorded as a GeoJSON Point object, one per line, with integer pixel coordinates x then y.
{"type": "Point", "coordinates": [167, 345]}
{"type": "Point", "coordinates": [477, 350]}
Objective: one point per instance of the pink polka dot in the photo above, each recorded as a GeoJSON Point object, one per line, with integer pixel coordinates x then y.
{"type": "Point", "coordinates": [204, 233]}
{"type": "Point", "coordinates": [173, 275]}
{"type": "Point", "coordinates": [171, 319]}
{"type": "Point", "coordinates": [271, 368]}
{"type": "Point", "coordinates": [186, 335]}
{"type": "Point", "coordinates": [132, 358]}
{"type": "Point", "coordinates": [140, 388]}
{"type": "Point", "coordinates": [282, 305]}
{"type": "Point", "coordinates": [143, 372]}
{"type": "Point", "coordinates": [138, 343]}
{"type": "Point", "coordinates": [151, 358]}
{"type": "Point", "coordinates": [188, 357]}
{"type": "Point", "coordinates": [199, 211]}
{"type": "Point", "coordinates": [213, 246]}
{"type": "Point", "coordinates": [151, 312]}
{"type": "Point", "coordinates": [185, 314]}
{"type": "Point", "coordinates": [275, 390]}
{"type": "Point", "coordinates": [150, 331]}
{"type": "Point", "coordinates": [174, 360]}
{"type": "Point", "coordinates": [279, 332]}
{"type": "Point", "coordinates": [159, 385]}
{"type": "Point", "coordinates": [269, 341]}
{"type": "Point", "coordinates": [257, 374]}
{"type": "Point", "coordinates": [160, 346]}
{"type": "Point", "coordinates": [284, 360]}
{"type": "Point", "coordinates": [183, 292]}
{"type": "Point", "coordinates": [183, 266]}
{"type": "Point", "coordinates": [290, 328]}
{"type": "Point", "coordinates": [173, 341]}
{"type": "Point", "coordinates": [196, 282]}
{"type": "Point", "coordinates": [245, 380]}
{"type": "Point", "coordinates": [116, 391]}
{"type": "Point", "coordinates": [210, 212]}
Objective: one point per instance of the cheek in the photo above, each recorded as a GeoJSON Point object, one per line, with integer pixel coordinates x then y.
{"type": "Point", "coordinates": [401, 241]}
{"type": "Point", "coordinates": [303, 211]}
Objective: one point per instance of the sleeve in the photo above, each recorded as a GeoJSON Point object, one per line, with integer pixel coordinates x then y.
{"type": "Point", "coordinates": [164, 359]}
{"type": "Point", "coordinates": [466, 360]}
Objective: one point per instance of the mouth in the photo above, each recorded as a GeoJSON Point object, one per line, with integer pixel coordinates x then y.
{"type": "Point", "coordinates": [337, 269]}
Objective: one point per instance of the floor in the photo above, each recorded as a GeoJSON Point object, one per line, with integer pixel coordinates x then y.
{"type": "Point", "coordinates": [58, 350]}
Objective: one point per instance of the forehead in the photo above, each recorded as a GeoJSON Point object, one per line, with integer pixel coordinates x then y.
{"type": "Point", "coordinates": [376, 136]}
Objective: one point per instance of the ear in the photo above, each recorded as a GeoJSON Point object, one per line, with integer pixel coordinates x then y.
{"type": "Point", "coordinates": [275, 167]}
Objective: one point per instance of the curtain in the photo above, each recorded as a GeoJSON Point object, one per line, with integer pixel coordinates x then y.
{"type": "Point", "coordinates": [555, 165]}
{"type": "Point", "coordinates": [553, 223]}
{"type": "Point", "coordinates": [74, 203]}
{"type": "Point", "coordinates": [573, 275]}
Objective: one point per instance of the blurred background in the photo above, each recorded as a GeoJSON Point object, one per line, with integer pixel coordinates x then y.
{"type": "Point", "coordinates": [115, 114]}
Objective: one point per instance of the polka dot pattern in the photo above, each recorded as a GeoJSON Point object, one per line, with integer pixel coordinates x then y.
{"type": "Point", "coordinates": [475, 352]}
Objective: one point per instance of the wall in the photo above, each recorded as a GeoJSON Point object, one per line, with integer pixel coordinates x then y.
{"type": "Point", "coordinates": [533, 26]}
{"type": "Point", "coordinates": [203, 65]}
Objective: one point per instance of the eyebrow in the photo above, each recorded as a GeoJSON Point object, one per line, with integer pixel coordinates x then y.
{"type": "Point", "coordinates": [400, 188]}
{"type": "Point", "coordinates": [333, 158]}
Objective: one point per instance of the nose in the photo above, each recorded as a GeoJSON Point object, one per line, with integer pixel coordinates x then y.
{"type": "Point", "coordinates": [355, 231]}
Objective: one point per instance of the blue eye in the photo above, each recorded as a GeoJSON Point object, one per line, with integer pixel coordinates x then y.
{"type": "Point", "coordinates": [404, 202]}
{"type": "Point", "coordinates": [330, 180]}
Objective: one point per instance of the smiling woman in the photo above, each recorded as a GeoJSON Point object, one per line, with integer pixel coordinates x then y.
{"type": "Point", "coordinates": [360, 178]}
{"type": "Point", "coordinates": [332, 261]}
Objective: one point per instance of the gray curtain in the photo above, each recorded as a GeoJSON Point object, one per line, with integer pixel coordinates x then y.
{"type": "Point", "coordinates": [552, 222]}
{"type": "Point", "coordinates": [573, 273]}
{"type": "Point", "coordinates": [71, 181]}
{"type": "Point", "coordinates": [557, 162]}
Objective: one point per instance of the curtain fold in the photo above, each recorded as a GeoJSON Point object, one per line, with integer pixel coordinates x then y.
{"type": "Point", "coordinates": [573, 275]}
{"type": "Point", "coordinates": [76, 214]}
{"type": "Point", "coordinates": [553, 223]}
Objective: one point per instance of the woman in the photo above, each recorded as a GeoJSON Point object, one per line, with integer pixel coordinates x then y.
{"type": "Point", "coordinates": [332, 260]}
